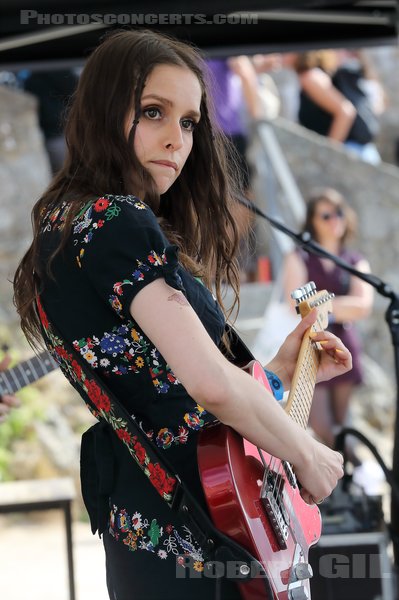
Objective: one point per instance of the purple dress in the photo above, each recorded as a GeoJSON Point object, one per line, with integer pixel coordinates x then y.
{"type": "Point", "coordinates": [337, 281]}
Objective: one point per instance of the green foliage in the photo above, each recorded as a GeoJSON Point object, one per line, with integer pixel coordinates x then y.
{"type": "Point", "coordinates": [19, 425]}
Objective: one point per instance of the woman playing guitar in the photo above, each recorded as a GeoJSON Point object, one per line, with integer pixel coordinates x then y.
{"type": "Point", "coordinates": [129, 239]}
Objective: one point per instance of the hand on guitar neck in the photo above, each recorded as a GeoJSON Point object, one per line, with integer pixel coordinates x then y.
{"type": "Point", "coordinates": [334, 360]}
{"type": "Point", "coordinates": [318, 468]}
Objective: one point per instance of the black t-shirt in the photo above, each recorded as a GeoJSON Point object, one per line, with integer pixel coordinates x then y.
{"type": "Point", "coordinates": [312, 116]}
{"type": "Point", "coordinates": [347, 81]}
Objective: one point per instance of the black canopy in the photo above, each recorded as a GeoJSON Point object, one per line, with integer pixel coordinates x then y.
{"type": "Point", "coordinates": [59, 31]}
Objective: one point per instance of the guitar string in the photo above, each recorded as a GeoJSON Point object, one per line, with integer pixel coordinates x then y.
{"type": "Point", "coordinates": [12, 373]}
{"type": "Point", "coordinates": [19, 376]}
{"type": "Point", "coordinates": [302, 398]}
{"type": "Point", "coordinates": [24, 374]}
{"type": "Point", "coordinates": [308, 380]}
{"type": "Point", "coordinates": [296, 413]}
{"type": "Point", "coordinates": [8, 387]}
{"type": "Point", "coordinates": [301, 406]}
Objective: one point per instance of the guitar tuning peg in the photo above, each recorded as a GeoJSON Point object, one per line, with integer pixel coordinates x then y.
{"type": "Point", "coordinates": [297, 294]}
{"type": "Point", "coordinates": [301, 293]}
{"type": "Point", "coordinates": [310, 288]}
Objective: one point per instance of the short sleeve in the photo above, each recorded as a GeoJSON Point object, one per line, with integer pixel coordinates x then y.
{"type": "Point", "coordinates": [121, 247]}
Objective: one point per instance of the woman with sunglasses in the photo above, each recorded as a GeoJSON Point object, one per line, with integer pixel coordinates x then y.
{"type": "Point", "coordinates": [331, 223]}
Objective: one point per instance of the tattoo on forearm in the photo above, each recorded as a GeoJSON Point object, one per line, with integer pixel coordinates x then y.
{"type": "Point", "coordinates": [179, 298]}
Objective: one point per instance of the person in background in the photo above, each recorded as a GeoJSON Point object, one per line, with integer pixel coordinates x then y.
{"type": "Point", "coordinates": [230, 83]}
{"type": "Point", "coordinates": [239, 99]}
{"type": "Point", "coordinates": [331, 223]}
{"type": "Point", "coordinates": [358, 82]}
{"type": "Point", "coordinates": [7, 401]}
{"type": "Point", "coordinates": [332, 102]}
{"type": "Point", "coordinates": [133, 241]}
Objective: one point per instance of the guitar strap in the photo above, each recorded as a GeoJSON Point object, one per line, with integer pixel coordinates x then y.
{"type": "Point", "coordinates": [106, 407]}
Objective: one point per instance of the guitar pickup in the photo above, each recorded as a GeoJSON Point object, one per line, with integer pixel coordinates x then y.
{"type": "Point", "coordinates": [272, 501]}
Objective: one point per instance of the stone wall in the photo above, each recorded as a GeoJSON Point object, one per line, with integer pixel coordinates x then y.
{"type": "Point", "coordinates": [385, 61]}
{"type": "Point", "coordinates": [24, 174]}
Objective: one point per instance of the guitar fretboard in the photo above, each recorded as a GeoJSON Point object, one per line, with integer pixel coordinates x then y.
{"type": "Point", "coordinates": [26, 372]}
{"type": "Point", "coordinates": [303, 383]}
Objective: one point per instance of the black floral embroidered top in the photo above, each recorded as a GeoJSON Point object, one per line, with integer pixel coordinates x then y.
{"type": "Point", "coordinates": [115, 249]}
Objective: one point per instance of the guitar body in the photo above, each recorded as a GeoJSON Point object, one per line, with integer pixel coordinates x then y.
{"type": "Point", "coordinates": [254, 497]}
{"type": "Point", "coordinates": [232, 474]}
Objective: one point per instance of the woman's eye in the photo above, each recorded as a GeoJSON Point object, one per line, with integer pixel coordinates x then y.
{"type": "Point", "coordinates": [188, 124]}
{"type": "Point", "coordinates": [152, 112]}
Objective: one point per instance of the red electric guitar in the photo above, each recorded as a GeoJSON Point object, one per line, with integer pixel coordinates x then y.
{"type": "Point", "coordinates": [252, 496]}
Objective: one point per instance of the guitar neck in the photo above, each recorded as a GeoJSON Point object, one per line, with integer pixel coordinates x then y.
{"type": "Point", "coordinates": [304, 379]}
{"type": "Point", "coordinates": [303, 382]}
{"type": "Point", "coordinates": [26, 372]}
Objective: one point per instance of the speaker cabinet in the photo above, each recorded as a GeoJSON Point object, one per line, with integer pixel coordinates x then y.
{"type": "Point", "coordinates": [352, 566]}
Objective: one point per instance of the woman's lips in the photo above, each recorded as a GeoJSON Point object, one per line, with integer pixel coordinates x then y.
{"type": "Point", "coordinates": [165, 163]}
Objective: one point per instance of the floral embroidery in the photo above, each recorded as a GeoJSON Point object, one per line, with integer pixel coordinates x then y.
{"type": "Point", "coordinates": [55, 219]}
{"type": "Point", "coordinates": [166, 437]}
{"type": "Point", "coordinates": [161, 480]}
{"type": "Point", "coordinates": [125, 350]}
{"type": "Point", "coordinates": [117, 351]}
{"type": "Point", "coordinates": [138, 533]}
{"type": "Point", "coordinates": [193, 420]}
{"type": "Point", "coordinates": [101, 204]}
{"type": "Point", "coordinates": [95, 215]}
{"type": "Point", "coordinates": [138, 274]}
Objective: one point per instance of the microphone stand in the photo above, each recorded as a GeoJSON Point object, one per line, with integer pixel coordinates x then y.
{"type": "Point", "coordinates": [391, 316]}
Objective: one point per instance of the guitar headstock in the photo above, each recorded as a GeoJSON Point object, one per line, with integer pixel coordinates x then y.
{"type": "Point", "coordinates": [307, 297]}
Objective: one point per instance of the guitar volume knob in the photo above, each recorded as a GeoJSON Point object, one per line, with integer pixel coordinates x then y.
{"type": "Point", "coordinates": [303, 570]}
{"type": "Point", "coordinates": [298, 593]}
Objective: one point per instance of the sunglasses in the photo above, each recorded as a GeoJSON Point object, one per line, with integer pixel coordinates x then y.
{"type": "Point", "coordinates": [327, 216]}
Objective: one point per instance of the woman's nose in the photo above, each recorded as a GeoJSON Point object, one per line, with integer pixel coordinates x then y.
{"type": "Point", "coordinates": [174, 136]}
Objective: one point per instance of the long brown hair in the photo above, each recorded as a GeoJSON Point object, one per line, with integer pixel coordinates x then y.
{"type": "Point", "coordinates": [195, 212]}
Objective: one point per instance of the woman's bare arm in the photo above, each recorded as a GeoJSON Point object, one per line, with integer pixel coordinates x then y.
{"type": "Point", "coordinates": [319, 87]}
{"type": "Point", "coordinates": [229, 393]}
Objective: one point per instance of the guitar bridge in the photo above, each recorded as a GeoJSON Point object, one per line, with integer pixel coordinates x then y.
{"type": "Point", "coordinates": [271, 497]}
